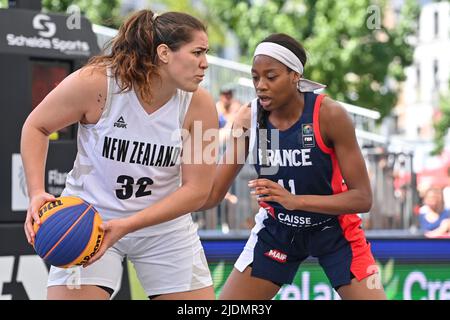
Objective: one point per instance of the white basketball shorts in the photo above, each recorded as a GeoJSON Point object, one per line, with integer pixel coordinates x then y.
{"type": "Point", "coordinates": [166, 263]}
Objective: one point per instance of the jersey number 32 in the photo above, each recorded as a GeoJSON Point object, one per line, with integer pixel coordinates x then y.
{"type": "Point", "coordinates": [127, 189]}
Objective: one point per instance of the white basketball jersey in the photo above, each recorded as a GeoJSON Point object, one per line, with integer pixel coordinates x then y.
{"type": "Point", "coordinates": [130, 159]}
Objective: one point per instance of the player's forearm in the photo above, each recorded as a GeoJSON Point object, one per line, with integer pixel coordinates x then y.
{"type": "Point", "coordinates": [214, 198]}
{"type": "Point", "coordinates": [352, 201]}
{"type": "Point", "coordinates": [223, 179]}
{"type": "Point", "coordinates": [185, 200]}
{"type": "Point", "coordinates": [230, 164]}
{"type": "Point", "coordinates": [33, 149]}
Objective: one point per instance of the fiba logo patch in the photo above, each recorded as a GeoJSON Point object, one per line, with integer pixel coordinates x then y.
{"type": "Point", "coordinates": [307, 129]}
{"type": "Point", "coordinates": [307, 137]}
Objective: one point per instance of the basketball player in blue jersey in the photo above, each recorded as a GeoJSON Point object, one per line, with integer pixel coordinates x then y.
{"type": "Point", "coordinates": [312, 182]}
{"type": "Point", "coordinates": [131, 105]}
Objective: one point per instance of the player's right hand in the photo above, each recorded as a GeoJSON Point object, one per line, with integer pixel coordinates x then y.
{"type": "Point", "coordinates": [36, 202]}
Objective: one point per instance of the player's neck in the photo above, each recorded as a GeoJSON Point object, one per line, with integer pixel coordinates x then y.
{"type": "Point", "coordinates": [162, 91]}
{"type": "Point", "coordinates": [290, 111]}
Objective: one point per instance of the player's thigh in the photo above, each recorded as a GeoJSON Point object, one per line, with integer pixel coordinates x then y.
{"type": "Point", "coordinates": [199, 294]}
{"type": "Point", "coordinates": [369, 288]}
{"type": "Point", "coordinates": [92, 282]}
{"type": "Point", "coordinates": [85, 292]}
{"type": "Point", "coordinates": [172, 263]}
{"type": "Point", "coordinates": [242, 286]}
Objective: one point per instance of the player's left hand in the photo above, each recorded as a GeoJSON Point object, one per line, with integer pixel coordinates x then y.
{"type": "Point", "coordinates": [114, 230]}
{"type": "Point", "coordinates": [267, 190]}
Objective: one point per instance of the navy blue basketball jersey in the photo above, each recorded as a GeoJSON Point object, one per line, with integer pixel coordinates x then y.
{"type": "Point", "coordinates": [298, 160]}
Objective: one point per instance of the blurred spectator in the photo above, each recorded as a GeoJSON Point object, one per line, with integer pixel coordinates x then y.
{"type": "Point", "coordinates": [434, 219]}
{"type": "Point", "coordinates": [446, 191]}
{"type": "Point", "coordinates": [227, 107]}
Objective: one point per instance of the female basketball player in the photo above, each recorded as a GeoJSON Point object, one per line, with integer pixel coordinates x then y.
{"type": "Point", "coordinates": [311, 184]}
{"type": "Point", "coordinates": [131, 105]}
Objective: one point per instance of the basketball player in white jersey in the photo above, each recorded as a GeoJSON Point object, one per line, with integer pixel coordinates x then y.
{"type": "Point", "coordinates": [131, 105]}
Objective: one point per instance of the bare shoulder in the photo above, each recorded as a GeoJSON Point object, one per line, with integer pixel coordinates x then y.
{"type": "Point", "coordinates": [332, 112]}
{"type": "Point", "coordinates": [85, 89]}
{"type": "Point", "coordinates": [335, 122]}
{"type": "Point", "coordinates": [202, 108]}
{"type": "Point", "coordinates": [202, 99]}
{"type": "Point", "coordinates": [83, 84]}
{"type": "Point", "coordinates": [91, 78]}
{"type": "Point", "coordinates": [243, 117]}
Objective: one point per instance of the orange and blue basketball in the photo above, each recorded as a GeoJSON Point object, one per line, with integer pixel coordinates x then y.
{"type": "Point", "coordinates": [69, 233]}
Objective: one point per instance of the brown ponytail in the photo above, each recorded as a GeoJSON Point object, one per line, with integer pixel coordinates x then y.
{"type": "Point", "coordinates": [261, 117]}
{"type": "Point", "coordinates": [133, 56]}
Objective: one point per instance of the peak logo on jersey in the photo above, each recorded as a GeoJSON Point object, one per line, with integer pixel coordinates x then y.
{"type": "Point", "coordinates": [120, 123]}
{"type": "Point", "coordinates": [276, 255]}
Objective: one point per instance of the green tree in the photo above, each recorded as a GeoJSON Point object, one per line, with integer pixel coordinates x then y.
{"type": "Point", "coordinates": [442, 125]}
{"type": "Point", "coordinates": [102, 12]}
{"type": "Point", "coordinates": [360, 60]}
{"type": "Point", "coordinates": [216, 28]}
{"type": "Point", "coordinates": [97, 11]}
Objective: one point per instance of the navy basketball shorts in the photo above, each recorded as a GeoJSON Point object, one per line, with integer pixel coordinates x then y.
{"type": "Point", "coordinates": [275, 251]}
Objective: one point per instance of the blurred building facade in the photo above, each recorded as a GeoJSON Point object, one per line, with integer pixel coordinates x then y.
{"type": "Point", "coordinates": [426, 80]}
{"type": "Point", "coordinates": [428, 77]}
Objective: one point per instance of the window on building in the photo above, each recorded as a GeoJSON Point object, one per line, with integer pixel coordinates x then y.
{"type": "Point", "coordinates": [418, 80]}
{"type": "Point", "coordinates": [436, 74]}
{"type": "Point", "coordinates": [436, 24]}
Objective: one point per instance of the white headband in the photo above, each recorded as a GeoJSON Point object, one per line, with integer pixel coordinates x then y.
{"type": "Point", "coordinates": [289, 59]}
{"type": "Point", "coordinates": [155, 15]}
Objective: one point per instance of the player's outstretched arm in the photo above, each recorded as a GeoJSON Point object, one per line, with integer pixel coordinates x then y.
{"type": "Point", "coordinates": [232, 160]}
